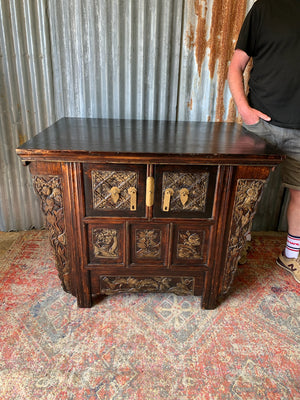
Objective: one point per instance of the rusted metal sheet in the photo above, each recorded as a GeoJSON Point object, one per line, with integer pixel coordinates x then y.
{"type": "Point", "coordinates": [142, 59]}
{"type": "Point", "coordinates": [210, 33]}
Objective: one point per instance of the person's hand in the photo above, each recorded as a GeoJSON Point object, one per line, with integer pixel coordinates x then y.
{"type": "Point", "coordinates": [251, 116]}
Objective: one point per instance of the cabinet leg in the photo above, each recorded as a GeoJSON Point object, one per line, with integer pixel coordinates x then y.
{"type": "Point", "coordinates": [209, 306]}
{"type": "Point", "coordinates": [84, 297]}
{"type": "Point", "coordinates": [84, 302]}
{"type": "Point", "coordinates": [209, 302]}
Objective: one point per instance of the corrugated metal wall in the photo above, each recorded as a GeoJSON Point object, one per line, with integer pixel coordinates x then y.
{"type": "Point", "coordinates": [143, 59]}
{"type": "Point", "coordinates": [117, 58]}
{"type": "Point", "coordinates": [210, 32]}
{"type": "Point", "coordinates": [27, 103]}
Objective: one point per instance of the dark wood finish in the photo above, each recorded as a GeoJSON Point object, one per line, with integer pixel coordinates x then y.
{"type": "Point", "coordinates": [91, 177]}
{"type": "Point", "coordinates": [89, 139]}
{"type": "Point", "coordinates": [181, 176]}
{"type": "Point", "coordinates": [124, 175]}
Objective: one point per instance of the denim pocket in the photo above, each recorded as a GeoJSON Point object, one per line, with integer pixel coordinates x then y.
{"type": "Point", "coordinates": [257, 128]}
{"type": "Point", "coordinates": [252, 126]}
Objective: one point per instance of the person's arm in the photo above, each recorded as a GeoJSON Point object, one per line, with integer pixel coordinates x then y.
{"type": "Point", "coordinates": [237, 66]}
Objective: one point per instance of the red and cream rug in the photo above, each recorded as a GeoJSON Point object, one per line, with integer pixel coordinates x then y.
{"type": "Point", "coordinates": [146, 347]}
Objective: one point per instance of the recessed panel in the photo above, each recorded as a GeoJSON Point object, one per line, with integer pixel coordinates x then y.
{"type": "Point", "coordinates": [190, 245]}
{"type": "Point", "coordinates": [148, 243]}
{"type": "Point", "coordinates": [183, 286]}
{"type": "Point", "coordinates": [116, 190]}
{"type": "Point", "coordinates": [185, 191]}
{"type": "Point", "coordinates": [106, 243]}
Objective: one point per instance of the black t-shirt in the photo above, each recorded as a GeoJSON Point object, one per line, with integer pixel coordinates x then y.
{"type": "Point", "coordinates": [271, 36]}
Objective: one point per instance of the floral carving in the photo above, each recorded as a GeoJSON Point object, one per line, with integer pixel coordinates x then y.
{"type": "Point", "coordinates": [105, 242]}
{"type": "Point", "coordinates": [190, 244]}
{"type": "Point", "coordinates": [148, 243]}
{"type": "Point", "coordinates": [49, 190]}
{"type": "Point", "coordinates": [177, 285]}
{"type": "Point", "coordinates": [247, 196]}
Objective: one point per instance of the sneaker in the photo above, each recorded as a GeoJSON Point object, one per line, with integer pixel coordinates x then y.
{"type": "Point", "coordinates": [290, 264]}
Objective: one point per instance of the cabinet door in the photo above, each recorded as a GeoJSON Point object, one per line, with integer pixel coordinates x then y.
{"type": "Point", "coordinates": [115, 190]}
{"type": "Point", "coordinates": [184, 191]}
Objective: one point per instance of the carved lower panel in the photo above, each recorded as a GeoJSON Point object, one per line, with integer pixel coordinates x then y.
{"type": "Point", "coordinates": [102, 184]}
{"type": "Point", "coordinates": [148, 243]}
{"type": "Point", "coordinates": [49, 189]}
{"type": "Point", "coordinates": [247, 196]}
{"type": "Point", "coordinates": [178, 285]}
{"type": "Point", "coordinates": [190, 245]}
{"type": "Point", "coordinates": [195, 183]}
{"type": "Point", "coordinates": [105, 243]}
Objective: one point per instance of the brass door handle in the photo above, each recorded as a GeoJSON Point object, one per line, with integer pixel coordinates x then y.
{"type": "Point", "coordinates": [167, 199]}
{"type": "Point", "coordinates": [132, 191]}
{"type": "Point", "coordinates": [115, 193]}
{"type": "Point", "coordinates": [149, 191]}
{"type": "Point", "coordinates": [184, 195]}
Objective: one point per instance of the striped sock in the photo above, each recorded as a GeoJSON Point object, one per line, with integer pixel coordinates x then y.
{"type": "Point", "coordinates": [292, 246]}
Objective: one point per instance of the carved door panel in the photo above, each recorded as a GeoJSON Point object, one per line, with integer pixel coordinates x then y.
{"type": "Point", "coordinates": [184, 191]}
{"type": "Point", "coordinates": [190, 245]}
{"type": "Point", "coordinates": [148, 244]}
{"type": "Point", "coordinates": [115, 190]}
{"type": "Point", "coordinates": [106, 243]}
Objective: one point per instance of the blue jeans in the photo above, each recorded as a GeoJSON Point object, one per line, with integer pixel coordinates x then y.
{"type": "Point", "coordinates": [288, 141]}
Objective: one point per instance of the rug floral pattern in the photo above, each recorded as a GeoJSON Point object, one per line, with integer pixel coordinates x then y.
{"type": "Point", "coordinates": [147, 347]}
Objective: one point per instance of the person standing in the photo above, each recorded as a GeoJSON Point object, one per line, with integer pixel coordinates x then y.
{"type": "Point", "coordinates": [270, 36]}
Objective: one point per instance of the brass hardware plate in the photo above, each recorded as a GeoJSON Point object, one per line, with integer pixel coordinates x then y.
{"type": "Point", "coordinates": [167, 199]}
{"type": "Point", "coordinates": [149, 191]}
{"type": "Point", "coordinates": [184, 196]}
{"type": "Point", "coordinates": [115, 193]}
{"type": "Point", "coordinates": [132, 192]}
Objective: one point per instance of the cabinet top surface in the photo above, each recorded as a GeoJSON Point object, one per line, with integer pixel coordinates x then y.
{"type": "Point", "coordinates": [88, 138]}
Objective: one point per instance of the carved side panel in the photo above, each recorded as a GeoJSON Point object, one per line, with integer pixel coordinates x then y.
{"type": "Point", "coordinates": [49, 189]}
{"type": "Point", "coordinates": [197, 185]}
{"type": "Point", "coordinates": [247, 196]}
{"type": "Point", "coordinates": [177, 285]}
{"type": "Point", "coordinates": [102, 184]}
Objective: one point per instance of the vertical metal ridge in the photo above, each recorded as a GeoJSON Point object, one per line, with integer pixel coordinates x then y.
{"type": "Point", "coordinates": [26, 105]}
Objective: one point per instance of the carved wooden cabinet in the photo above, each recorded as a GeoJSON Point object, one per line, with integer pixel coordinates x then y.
{"type": "Point", "coordinates": [147, 206]}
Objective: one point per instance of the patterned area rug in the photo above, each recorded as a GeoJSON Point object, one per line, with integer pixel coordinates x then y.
{"type": "Point", "coordinates": [141, 347]}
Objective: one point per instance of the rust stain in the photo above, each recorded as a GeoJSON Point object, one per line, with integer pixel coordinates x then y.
{"type": "Point", "coordinates": [200, 40]}
{"type": "Point", "coordinates": [22, 138]}
{"type": "Point", "coordinates": [231, 115]}
{"type": "Point", "coordinates": [190, 104]}
{"type": "Point", "coordinates": [190, 37]}
{"type": "Point", "coordinates": [247, 75]}
{"type": "Point", "coordinates": [227, 18]}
